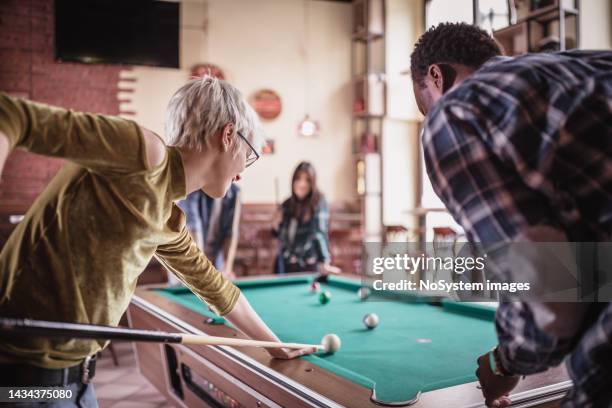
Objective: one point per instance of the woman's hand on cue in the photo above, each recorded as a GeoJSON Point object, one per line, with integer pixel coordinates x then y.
{"type": "Point", "coordinates": [288, 354]}
{"type": "Point", "coordinates": [495, 388]}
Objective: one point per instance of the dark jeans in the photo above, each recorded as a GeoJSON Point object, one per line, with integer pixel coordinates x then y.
{"type": "Point", "coordinates": [83, 396]}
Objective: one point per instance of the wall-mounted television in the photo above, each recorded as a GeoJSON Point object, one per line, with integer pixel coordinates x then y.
{"type": "Point", "coordinates": [134, 32]}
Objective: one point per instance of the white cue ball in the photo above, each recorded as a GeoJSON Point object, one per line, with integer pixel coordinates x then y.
{"type": "Point", "coordinates": [363, 293]}
{"type": "Point", "coordinates": [370, 320]}
{"type": "Point", "coordinates": [331, 343]}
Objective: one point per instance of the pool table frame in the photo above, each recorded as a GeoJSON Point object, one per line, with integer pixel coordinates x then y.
{"type": "Point", "coordinates": [253, 379]}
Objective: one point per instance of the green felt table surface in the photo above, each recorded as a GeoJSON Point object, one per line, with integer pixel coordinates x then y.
{"type": "Point", "coordinates": [416, 347]}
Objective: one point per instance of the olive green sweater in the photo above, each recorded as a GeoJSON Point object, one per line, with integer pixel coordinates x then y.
{"type": "Point", "coordinates": [78, 252]}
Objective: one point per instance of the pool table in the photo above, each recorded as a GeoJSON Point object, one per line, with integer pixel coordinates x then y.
{"type": "Point", "coordinates": [422, 353]}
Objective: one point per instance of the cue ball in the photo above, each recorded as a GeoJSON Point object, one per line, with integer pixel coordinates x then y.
{"type": "Point", "coordinates": [370, 320]}
{"type": "Point", "coordinates": [331, 343]}
{"type": "Point", "coordinates": [363, 293]}
{"type": "Point", "coordinates": [324, 297]}
{"type": "Point", "coordinates": [315, 287]}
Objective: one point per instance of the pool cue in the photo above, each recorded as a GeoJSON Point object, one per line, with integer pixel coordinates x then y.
{"type": "Point", "coordinates": [97, 332]}
{"type": "Point", "coordinates": [276, 194]}
{"type": "Point", "coordinates": [224, 341]}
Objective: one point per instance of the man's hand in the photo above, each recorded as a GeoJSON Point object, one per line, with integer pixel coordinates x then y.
{"type": "Point", "coordinates": [4, 150]}
{"type": "Point", "coordinates": [495, 388]}
{"type": "Point", "coordinates": [327, 269]}
{"type": "Point", "coordinates": [287, 354]}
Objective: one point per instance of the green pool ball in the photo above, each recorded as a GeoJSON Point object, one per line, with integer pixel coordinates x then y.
{"type": "Point", "coordinates": [324, 297]}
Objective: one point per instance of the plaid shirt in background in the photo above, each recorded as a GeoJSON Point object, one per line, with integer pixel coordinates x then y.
{"type": "Point", "coordinates": [527, 142]}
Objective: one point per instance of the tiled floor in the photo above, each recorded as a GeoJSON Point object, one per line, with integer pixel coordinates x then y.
{"type": "Point", "coordinates": [123, 386]}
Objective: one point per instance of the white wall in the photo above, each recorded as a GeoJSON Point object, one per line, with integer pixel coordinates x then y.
{"type": "Point", "coordinates": [596, 24]}
{"type": "Point", "coordinates": [264, 44]}
{"type": "Point", "coordinates": [400, 141]}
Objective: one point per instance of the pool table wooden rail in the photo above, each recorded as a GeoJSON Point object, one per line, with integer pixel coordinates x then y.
{"type": "Point", "coordinates": [287, 381]}
{"type": "Point", "coordinates": [251, 377]}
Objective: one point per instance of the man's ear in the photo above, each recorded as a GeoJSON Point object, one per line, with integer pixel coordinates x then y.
{"type": "Point", "coordinates": [435, 74]}
{"type": "Point", "coordinates": [226, 136]}
{"type": "Point", "coordinates": [443, 76]}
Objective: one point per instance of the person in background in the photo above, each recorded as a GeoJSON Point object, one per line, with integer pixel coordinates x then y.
{"type": "Point", "coordinates": [520, 150]}
{"type": "Point", "coordinates": [301, 224]}
{"type": "Point", "coordinates": [213, 224]}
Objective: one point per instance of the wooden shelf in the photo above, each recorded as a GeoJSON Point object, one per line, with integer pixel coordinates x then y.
{"type": "Point", "coordinates": [419, 211]}
{"type": "Point", "coordinates": [513, 39]}
{"type": "Point", "coordinates": [369, 108]}
{"type": "Point", "coordinates": [367, 37]}
{"type": "Point", "coordinates": [378, 75]}
{"type": "Point", "coordinates": [365, 115]}
{"type": "Point", "coordinates": [509, 31]}
{"type": "Point", "coordinates": [525, 35]}
{"type": "Point", "coordinates": [547, 14]}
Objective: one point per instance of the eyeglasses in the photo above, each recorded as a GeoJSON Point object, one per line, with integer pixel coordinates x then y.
{"type": "Point", "coordinates": [252, 155]}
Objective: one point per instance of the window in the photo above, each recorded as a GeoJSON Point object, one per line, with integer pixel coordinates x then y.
{"type": "Point", "coordinates": [454, 11]}
{"type": "Point", "coordinates": [493, 14]}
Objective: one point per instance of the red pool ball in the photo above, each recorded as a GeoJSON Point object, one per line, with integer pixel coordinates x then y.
{"type": "Point", "coordinates": [315, 287]}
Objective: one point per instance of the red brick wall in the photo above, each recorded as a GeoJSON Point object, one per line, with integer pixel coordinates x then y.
{"type": "Point", "coordinates": [28, 69]}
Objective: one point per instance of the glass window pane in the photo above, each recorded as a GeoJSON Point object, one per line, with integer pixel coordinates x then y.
{"type": "Point", "coordinates": [493, 14]}
{"type": "Point", "coordinates": [454, 11]}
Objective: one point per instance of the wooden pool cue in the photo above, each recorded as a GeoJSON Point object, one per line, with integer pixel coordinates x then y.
{"type": "Point", "coordinates": [276, 194]}
{"type": "Point", "coordinates": [224, 341]}
{"type": "Point", "coordinates": [45, 328]}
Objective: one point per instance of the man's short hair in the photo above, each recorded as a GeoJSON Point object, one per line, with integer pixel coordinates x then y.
{"type": "Point", "coordinates": [202, 107]}
{"type": "Point", "coordinates": [451, 43]}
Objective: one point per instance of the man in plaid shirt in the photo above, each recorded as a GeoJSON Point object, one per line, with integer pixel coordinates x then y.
{"type": "Point", "coordinates": [520, 149]}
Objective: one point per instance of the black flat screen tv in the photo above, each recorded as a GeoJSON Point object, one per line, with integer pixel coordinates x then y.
{"type": "Point", "coordinates": [134, 32]}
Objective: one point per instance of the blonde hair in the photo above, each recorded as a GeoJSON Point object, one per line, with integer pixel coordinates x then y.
{"type": "Point", "coordinates": [202, 107]}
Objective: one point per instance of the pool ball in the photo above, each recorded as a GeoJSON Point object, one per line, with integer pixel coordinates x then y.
{"type": "Point", "coordinates": [370, 320]}
{"type": "Point", "coordinates": [324, 297]}
{"type": "Point", "coordinates": [331, 343]}
{"type": "Point", "coordinates": [315, 287]}
{"type": "Point", "coordinates": [363, 293]}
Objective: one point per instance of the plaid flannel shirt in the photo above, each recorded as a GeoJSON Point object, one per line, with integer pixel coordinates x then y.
{"type": "Point", "coordinates": [525, 142]}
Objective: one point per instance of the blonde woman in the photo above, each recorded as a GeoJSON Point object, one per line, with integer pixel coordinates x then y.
{"type": "Point", "coordinates": [80, 248]}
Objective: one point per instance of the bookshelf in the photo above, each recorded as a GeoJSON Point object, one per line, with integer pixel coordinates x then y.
{"type": "Point", "coordinates": [369, 109]}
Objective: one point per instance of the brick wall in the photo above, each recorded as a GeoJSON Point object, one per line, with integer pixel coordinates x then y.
{"type": "Point", "coordinates": [28, 69]}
